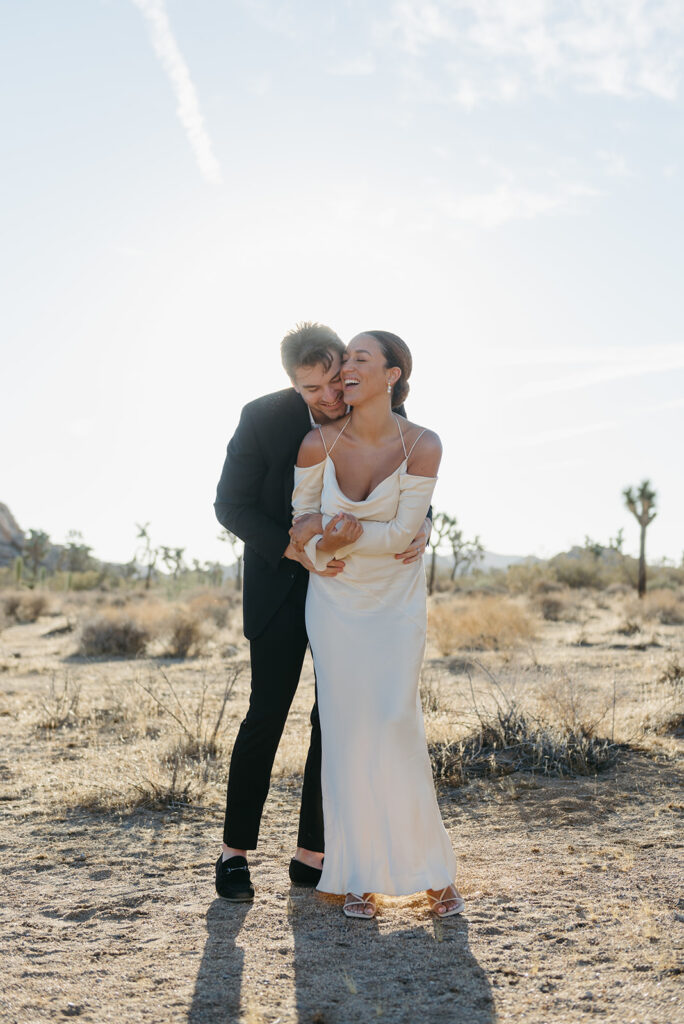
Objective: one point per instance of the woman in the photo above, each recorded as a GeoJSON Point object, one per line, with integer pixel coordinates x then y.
{"type": "Point", "coordinates": [372, 476]}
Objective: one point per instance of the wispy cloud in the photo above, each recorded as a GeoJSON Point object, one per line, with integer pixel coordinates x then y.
{"type": "Point", "coordinates": [509, 202]}
{"type": "Point", "coordinates": [606, 46]}
{"type": "Point", "coordinates": [640, 365]}
{"type": "Point", "coordinates": [542, 437]}
{"type": "Point", "coordinates": [174, 65]}
{"type": "Point", "coordinates": [555, 435]}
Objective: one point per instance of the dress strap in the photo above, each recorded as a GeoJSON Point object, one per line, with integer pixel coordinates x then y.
{"type": "Point", "coordinates": [416, 442]}
{"type": "Point", "coordinates": [401, 435]}
{"type": "Point", "coordinates": [322, 437]}
{"type": "Point", "coordinates": [328, 450]}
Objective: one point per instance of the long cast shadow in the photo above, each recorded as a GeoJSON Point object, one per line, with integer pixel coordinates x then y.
{"type": "Point", "coordinates": [355, 971]}
{"type": "Point", "coordinates": [216, 999]}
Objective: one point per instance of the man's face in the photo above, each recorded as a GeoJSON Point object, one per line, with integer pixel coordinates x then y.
{"type": "Point", "coordinates": [321, 389]}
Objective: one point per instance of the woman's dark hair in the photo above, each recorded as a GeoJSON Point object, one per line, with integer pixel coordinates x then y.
{"type": "Point", "coordinates": [396, 353]}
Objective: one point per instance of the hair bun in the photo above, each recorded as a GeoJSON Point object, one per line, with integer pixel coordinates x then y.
{"type": "Point", "coordinates": [400, 393]}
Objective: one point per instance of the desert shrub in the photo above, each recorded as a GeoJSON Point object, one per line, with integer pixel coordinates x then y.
{"type": "Point", "coordinates": [510, 741]}
{"type": "Point", "coordinates": [583, 571]}
{"type": "Point", "coordinates": [551, 607]}
{"type": "Point", "coordinates": [184, 634]}
{"type": "Point", "coordinates": [59, 705]}
{"type": "Point", "coordinates": [201, 722]}
{"type": "Point", "coordinates": [664, 606]}
{"type": "Point", "coordinates": [482, 623]}
{"type": "Point", "coordinates": [672, 725]}
{"type": "Point", "coordinates": [89, 579]}
{"type": "Point", "coordinates": [556, 605]}
{"type": "Point", "coordinates": [619, 589]}
{"type": "Point", "coordinates": [673, 673]}
{"type": "Point", "coordinates": [212, 606]}
{"type": "Point", "coordinates": [430, 692]}
{"type": "Point", "coordinates": [629, 628]}
{"type": "Point", "coordinates": [113, 633]}
{"type": "Point", "coordinates": [546, 586]}
{"type": "Point", "coordinates": [526, 577]}
{"type": "Point", "coordinates": [157, 786]}
{"type": "Point", "coordinates": [25, 605]}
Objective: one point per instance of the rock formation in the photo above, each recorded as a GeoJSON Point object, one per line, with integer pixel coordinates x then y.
{"type": "Point", "coordinates": [11, 537]}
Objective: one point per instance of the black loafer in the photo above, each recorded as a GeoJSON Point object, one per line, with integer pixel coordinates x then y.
{"type": "Point", "coordinates": [302, 874]}
{"type": "Point", "coordinates": [232, 880]}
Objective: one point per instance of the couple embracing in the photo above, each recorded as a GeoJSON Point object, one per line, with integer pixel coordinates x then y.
{"type": "Point", "coordinates": [329, 486]}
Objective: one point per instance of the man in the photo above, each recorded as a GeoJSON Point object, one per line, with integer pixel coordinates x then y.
{"type": "Point", "coordinates": [253, 501]}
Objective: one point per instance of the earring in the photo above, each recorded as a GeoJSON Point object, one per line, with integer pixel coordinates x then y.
{"type": "Point", "coordinates": [389, 387]}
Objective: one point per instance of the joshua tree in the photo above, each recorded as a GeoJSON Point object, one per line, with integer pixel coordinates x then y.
{"type": "Point", "coordinates": [148, 554]}
{"type": "Point", "coordinates": [76, 555]}
{"type": "Point", "coordinates": [36, 547]}
{"type": "Point", "coordinates": [642, 506]}
{"type": "Point", "coordinates": [173, 560]}
{"type": "Point", "coordinates": [442, 525]}
{"type": "Point", "coordinates": [465, 553]}
{"type": "Point", "coordinates": [238, 552]}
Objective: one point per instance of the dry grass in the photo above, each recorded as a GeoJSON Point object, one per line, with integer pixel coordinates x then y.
{"type": "Point", "coordinates": [664, 606]}
{"type": "Point", "coordinates": [113, 776]}
{"type": "Point", "coordinates": [510, 740]}
{"type": "Point", "coordinates": [213, 607]}
{"type": "Point", "coordinates": [24, 605]}
{"type": "Point", "coordinates": [152, 627]}
{"type": "Point", "coordinates": [113, 633]}
{"type": "Point", "coordinates": [673, 673]}
{"type": "Point", "coordinates": [184, 634]}
{"type": "Point", "coordinates": [557, 605]}
{"type": "Point", "coordinates": [481, 623]}
{"type": "Point", "coordinates": [60, 705]}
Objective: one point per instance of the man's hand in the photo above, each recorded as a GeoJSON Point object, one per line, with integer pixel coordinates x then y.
{"type": "Point", "coordinates": [416, 549]}
{"type": "Point", "coordinates": [343, 529]}
{"type": "Point", "coordinates": [333, 568]}
{"type": "Point", "coordinates": [305, 528]}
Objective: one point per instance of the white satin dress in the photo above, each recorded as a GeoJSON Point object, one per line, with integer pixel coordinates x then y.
{"type": "Point", "coordinates": [366, 626]}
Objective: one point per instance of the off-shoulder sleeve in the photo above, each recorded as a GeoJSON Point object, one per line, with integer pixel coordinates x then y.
{"type": "Point", "coordinates": [308, 487]}
{"type": "Point", "coordinates": [306, 498]}
{"type": "Point", "coordinates": [393, 537]}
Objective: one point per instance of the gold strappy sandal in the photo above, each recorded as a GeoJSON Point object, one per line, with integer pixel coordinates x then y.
{"type": "Point", "coordinates": [443, 899]}
{"type": "Point", "coordinates": [353, 900]}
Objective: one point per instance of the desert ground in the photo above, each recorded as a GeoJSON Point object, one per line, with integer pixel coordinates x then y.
{"type": "Point", "coordinates": [112, 781]}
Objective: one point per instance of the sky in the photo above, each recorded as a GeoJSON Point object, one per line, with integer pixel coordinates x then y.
{"type": "Point", "coordinates": [500, 184]}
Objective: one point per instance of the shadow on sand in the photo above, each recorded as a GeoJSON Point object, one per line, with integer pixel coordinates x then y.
{"type": "Point", "coordinates": [218, 984]}
{"type": "Point", "coordinates": [348, 972]}
{"type": "Point", "coordinates": [357, 971]}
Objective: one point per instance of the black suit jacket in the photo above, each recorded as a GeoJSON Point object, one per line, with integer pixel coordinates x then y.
{"type": "Point", "coordinates": [254, 499]}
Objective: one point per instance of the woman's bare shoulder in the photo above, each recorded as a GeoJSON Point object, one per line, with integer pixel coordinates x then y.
{"type": "Point", "coordinates": [425, 450]}
{"type": "Point", "coordinates": [413, 431]}
{"type": "Point", "coordinates": [311, 450]}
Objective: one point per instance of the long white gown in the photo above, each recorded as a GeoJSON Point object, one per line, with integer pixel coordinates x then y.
{"type": "Point", "coordinates": [366, 626]}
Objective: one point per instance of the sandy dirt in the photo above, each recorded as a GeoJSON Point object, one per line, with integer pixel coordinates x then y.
{"type": "Point", "coordinates": [573, 887]}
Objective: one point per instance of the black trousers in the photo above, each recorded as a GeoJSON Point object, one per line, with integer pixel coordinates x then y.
{"type": "Point", "coordinates": [276, 657]}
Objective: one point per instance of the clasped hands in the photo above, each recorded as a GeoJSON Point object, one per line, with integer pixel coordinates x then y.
{"type": "Point", "coordinates": [343, 529]}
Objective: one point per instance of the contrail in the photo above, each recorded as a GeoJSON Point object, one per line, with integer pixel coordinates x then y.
{"type": "Point", "coordinates": [188, 108]}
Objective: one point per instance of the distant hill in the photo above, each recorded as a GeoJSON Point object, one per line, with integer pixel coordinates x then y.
{"type": "Point", "coordinates": [491, 560]}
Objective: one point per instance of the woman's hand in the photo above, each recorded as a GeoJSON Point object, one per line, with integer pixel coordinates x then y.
{"type": "Point", "coordinates": [343, 529]}
{"type": "Point", "coordinates": [304, 528]}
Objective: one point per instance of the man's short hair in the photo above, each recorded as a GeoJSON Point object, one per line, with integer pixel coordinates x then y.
{"type": "Point", "coordinates": [308, 344]}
